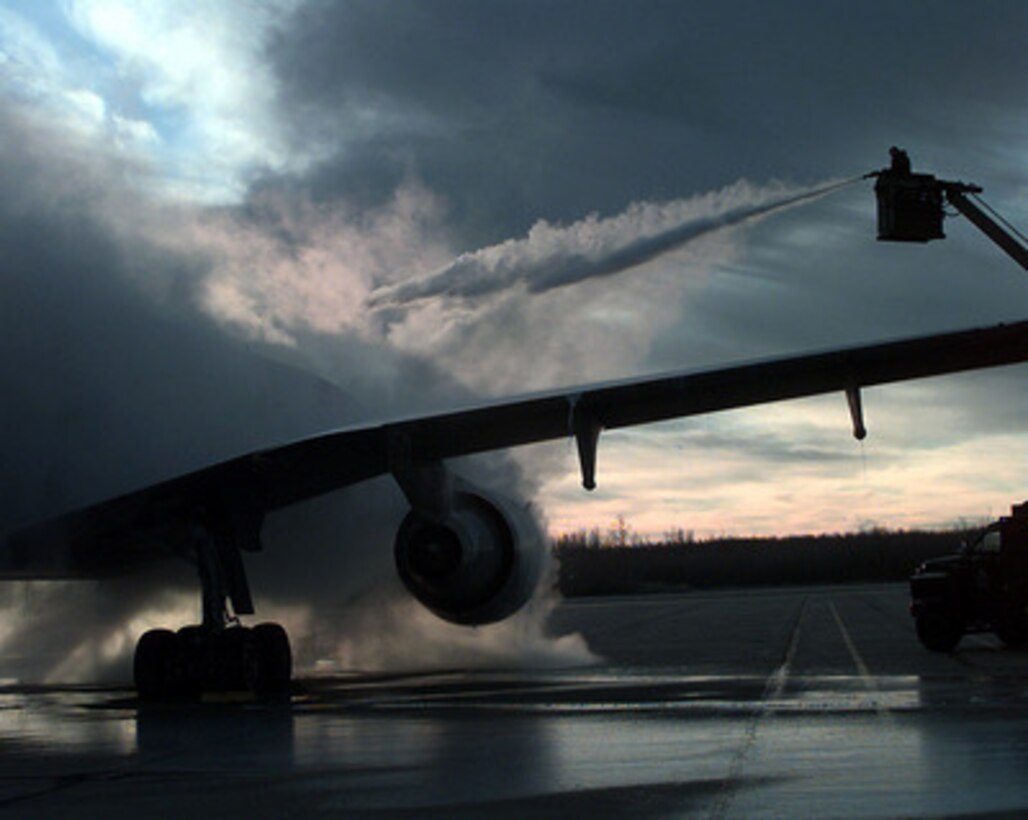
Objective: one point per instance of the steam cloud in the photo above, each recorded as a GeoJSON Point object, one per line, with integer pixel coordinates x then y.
{"type": "Point", "coordinates": [115, 378]}
{"type": "Point", "coordinates": [553, 257]}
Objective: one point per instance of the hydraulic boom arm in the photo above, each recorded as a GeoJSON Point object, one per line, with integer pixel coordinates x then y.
{"type": "Point", "coordinates": [955, 195]}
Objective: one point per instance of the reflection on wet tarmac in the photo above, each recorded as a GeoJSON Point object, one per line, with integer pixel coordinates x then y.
{"type": "Point", "coordinates": [64, 720]}
{"type": "Point", "coordinates": [786, 730]}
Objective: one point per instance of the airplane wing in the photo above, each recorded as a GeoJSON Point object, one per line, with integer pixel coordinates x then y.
{"type": "Point", "coordinates": [115, 536]}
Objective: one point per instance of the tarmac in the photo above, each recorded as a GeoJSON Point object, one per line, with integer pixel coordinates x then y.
{"type": "Point", "coordinates": [787, 702]}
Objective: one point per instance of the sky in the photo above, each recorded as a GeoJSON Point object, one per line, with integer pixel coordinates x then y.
{"type": "Point", "coordinates": [420, 204]}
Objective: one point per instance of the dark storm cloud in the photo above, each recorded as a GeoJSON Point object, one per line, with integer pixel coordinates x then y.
{"type": "Point", "coordinates": [106, 387]}
{"type": "Point", "coordinates": [520, 111]}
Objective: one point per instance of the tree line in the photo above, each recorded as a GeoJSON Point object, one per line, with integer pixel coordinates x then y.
{"type": "Point", "coordinates": [618, 561]}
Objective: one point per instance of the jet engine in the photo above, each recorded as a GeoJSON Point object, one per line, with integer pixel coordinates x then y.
{"type": "Point", "coordinates": [477, 564]}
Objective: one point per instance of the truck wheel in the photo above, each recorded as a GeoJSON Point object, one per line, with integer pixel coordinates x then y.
{"type": "Point", "coordinates": [1013, 631]}
{"type": "Point", "coordinates": [939, 631]}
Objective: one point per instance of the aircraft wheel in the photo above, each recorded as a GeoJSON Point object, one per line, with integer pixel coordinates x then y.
{"type": "Point", "coordinates": [194, 646]}
{"type": "Point", "coordinates": [230, 653]}
{"type": "Point", "coordinates": [157, 665]}
{"type": "Point", "coordinates": [269, 667]}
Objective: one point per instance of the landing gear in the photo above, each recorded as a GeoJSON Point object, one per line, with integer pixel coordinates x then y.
{"type": "Point", "coordinates": [195, 661]}
{"type": "Point", "coordinates": [219, 655]}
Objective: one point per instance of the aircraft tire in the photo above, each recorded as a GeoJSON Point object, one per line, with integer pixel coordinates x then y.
{"type": "Point", "coordinates": [270, 669]}
{"type": "Point", "coordinates": [230, 656]}
{"type": "Point", "coordinates": [194, 646]}
{"type": "Point", "coordinates": [157, 666]}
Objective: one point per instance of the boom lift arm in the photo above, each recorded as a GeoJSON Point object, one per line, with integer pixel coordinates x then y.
{"type": "Point", "coordinates": [955, 195]}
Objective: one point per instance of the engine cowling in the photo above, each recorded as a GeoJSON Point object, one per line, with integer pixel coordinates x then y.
{"type": "Point", "coordinates": [478, 565]}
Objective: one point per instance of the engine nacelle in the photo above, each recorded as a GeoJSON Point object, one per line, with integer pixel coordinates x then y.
{"type": "Point", "coordinates": [477, 566]}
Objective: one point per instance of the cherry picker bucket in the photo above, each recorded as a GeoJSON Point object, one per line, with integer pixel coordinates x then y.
{"type": "Point", "coordinates": [909, 207]}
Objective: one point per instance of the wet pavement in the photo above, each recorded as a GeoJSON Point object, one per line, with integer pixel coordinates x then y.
{"type": "Point", "coordinates": [801, 702]}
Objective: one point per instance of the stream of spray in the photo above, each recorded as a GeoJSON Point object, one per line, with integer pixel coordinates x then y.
{"type": "Point", "coordinates": [551, 257]}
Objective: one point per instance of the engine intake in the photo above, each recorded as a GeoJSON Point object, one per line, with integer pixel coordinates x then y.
{"type": "Point", "coordinates": [477, 566]}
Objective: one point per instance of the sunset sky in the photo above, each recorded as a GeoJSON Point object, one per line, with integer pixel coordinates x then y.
{"type": "Point", "coordinates": [272, 177]}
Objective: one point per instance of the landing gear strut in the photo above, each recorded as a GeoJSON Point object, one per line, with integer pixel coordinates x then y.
{"type": "Point", "coordinates": [220, 654]}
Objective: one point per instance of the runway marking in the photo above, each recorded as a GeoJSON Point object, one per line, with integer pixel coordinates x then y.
{"type": "Point", "coordinates": [774, 688]}
{"type": "Point", "coordinates": [870, 684]}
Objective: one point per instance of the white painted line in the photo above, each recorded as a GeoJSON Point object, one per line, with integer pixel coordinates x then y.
{"type": "Point", "coordinates": [775, 686]}
{"type": "Point", "coordinates": [870, 684]}
{"type": "Point", "coordinates": [773, 690]}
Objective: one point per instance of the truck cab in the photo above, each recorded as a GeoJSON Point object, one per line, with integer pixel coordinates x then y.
{"type": "Point", "coordinates": [981, 588]}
